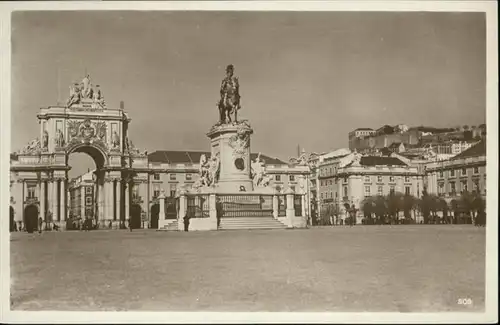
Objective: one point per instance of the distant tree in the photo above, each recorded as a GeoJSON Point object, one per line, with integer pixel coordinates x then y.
{"type": "Point", "coordinates": [409, 203]}
{"type": "Point", "coordinates": [472, 204]}
{"type": "Point", "coordinates": [435, 206]}
{"type": "Point", "coordinates": [427, 206]}
{"type": "Point", "coordinates": [443, 207]}
{"type": "Point", "coordinates": [368, 208]}
{"type": "Point", "coordinates": [388, 129]}
{"type": "Point", "coordinates": [465, 127]}
{"type": "Point", "coordinates": [394, 204]}
{"type": "Point", "coordinates": [380, 209]}
{"type": "Point", "coordinates": [351, 213]}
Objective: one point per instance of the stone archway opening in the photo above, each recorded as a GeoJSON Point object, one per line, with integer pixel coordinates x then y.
{"type": "Point", "coordinates": [31, 218]}
{"type": "Point", "coordinates": [85, 185]}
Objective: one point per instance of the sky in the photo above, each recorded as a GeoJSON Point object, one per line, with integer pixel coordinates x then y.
{"type": "Point", "coordinates": [306, 78]}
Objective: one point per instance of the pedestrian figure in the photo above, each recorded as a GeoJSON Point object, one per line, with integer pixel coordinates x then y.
{"type": "Point", "coordinates": [40, 224]}
{"type": "Point", "coordinates": [220, 211]}
{"type": "Point", "coordinates": [130, 224]}
{"type": "Point", "coordinates": [186, 222]}
{"type": "Point", "coordinates": [331, 220]}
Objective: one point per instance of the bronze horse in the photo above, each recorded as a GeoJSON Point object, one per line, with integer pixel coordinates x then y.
{"type": "Point", "coordinates": [228, 107]}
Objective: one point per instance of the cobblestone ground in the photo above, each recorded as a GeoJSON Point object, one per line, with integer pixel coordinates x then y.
{"type": "Point", "coordinates": [363, 268]}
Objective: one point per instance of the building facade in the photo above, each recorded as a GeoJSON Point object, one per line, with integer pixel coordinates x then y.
{"type": "Point", "coordinates": [352, 178]}
{"type": "Point", "coordinates": [465, 172]}
{"type": "Point", "coordinates": [81, 192]}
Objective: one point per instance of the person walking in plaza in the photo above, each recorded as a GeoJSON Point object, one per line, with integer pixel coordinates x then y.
{"type": "Point", "coordinates": [40, 224]}
{"type": "Point", "coordinates": [130, 224]}
{"type": "Point", "coordinates": [220, 211]}
{"type": "Point", "coordinates": [186, 222]}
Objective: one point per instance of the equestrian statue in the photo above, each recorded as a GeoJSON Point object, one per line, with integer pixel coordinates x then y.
{"type": "Point", "coordinates": [229, 102]}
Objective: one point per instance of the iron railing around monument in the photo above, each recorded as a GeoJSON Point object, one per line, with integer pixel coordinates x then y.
{"type": "Point", "coordinates": [171, 207]}
{"type": "Point", "coordinates": [246, 205]}
{"type": "Point", "coordinates": [198, 206]}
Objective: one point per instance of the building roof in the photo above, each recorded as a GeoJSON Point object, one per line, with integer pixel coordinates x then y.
{"type": "Point", "coordinates": [380, 161]}
{"type": "Point", "coordinates": [364, 129]}
{"type": "Point", "coordinates": [193, 157]}
{"type": "Point", "coordinates": [475, 151]}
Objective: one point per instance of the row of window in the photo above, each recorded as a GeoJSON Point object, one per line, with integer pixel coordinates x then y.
{"type": "Point", "coordinates": [463, 172]}
{"type": "Point", "coordinates": [189, 177]}
{"type": "Point", "coordinates": [380, 190]}
{"type": "Point", "coordinates": [329, 195]}
{"type": "Point", "coordinates": [324, 171]}
{"type": "Point", "coordinates": [367, 179]}
{"type": "Point", "coordinates": [392, 179]}
{"type": "Point", "coordinates": [173, 177]}
{"type": "Point", "coordinates": [453, 188]}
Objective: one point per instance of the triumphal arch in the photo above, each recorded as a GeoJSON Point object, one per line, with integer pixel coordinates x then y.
{"type": "Point", "coordinates": [86, 124]}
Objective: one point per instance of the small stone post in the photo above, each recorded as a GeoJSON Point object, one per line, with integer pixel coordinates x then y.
{"type": "Point", "coordinates": [212, 204]}
{"type": "Point", "coordinates": [276, 205]}
{"type": "Point", "coordinates": [182, 209]}
{"type": "Point", "coordinates": [290, 209]}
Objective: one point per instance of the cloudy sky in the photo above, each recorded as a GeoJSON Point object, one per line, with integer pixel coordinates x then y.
{"type": "Point", "coordinates": [306, 78]}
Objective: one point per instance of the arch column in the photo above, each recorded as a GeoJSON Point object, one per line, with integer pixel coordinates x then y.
{"type": "Point", "coordinates": [62, 206]}
{"type": "Point", "coordinates": [55, 212]}
{"type": "Point", "coordinates": [42, 200]}
{"type": "Point", "coordinates": [101, 204]}
{"type": "Point", "coordinates": [143, 193]}
{"type": "Point", "coordinates": [108, 199]}
{"type": "Point", "coordinates": [127, 200]}
{"type": "Point", "coordinates": [118, 200]}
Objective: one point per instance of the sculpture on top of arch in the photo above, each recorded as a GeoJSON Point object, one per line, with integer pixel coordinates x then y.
{"type": "Point", "coordinates": [83, 94]}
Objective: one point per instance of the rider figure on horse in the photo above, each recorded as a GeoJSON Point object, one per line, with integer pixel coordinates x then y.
{"type": "Point", "coordinates": [229, 96]}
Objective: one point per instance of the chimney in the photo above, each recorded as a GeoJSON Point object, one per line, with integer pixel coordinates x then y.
{"type": "Point", "coordinates": [122, 105]}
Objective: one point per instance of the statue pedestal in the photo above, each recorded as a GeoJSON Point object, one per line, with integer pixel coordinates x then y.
{"type": "Point", "coordinates": [232, 143]}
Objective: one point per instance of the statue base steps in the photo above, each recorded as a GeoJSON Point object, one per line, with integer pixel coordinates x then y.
{"type": "Point", "coordinates": [250, 223]}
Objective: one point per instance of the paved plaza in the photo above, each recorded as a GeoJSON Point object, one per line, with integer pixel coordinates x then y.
{"type": "Point", "coordinates": [363, 268]}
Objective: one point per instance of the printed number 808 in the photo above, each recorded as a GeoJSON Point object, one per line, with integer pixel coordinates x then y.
{"type": "Point", "coordinates": [464, 301]}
